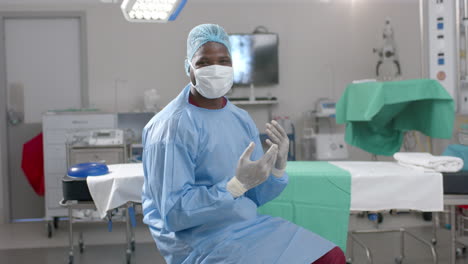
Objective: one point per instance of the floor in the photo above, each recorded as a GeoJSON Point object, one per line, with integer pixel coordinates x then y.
{"type": "Point", "coordinates": [28, 243]}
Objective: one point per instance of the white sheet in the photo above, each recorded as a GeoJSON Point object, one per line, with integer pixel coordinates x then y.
{"type": "Point", "coordinates": [426, 161]}
{"type": "Point", "coordinates": [123, 184]}
{"type": "Point", "coordinates": [388, 185]}
{"type": "Point", "coordinates": [374, 186]}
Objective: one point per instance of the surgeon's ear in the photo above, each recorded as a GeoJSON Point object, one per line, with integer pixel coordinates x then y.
{"type": "Point", "coordinates": [192, 76]}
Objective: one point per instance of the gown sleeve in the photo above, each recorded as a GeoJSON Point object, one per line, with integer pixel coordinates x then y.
{"type": "Point", "coordinates": [269, 189]}
{"type": "Point", "coordinates": [170, 182]}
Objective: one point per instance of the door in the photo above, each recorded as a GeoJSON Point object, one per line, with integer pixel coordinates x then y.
{"type": "Point", "coordinates": [43, 72]}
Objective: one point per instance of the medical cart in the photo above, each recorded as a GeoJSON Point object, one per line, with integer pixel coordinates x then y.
{"type": "Point", "coordinates": [56, 125]}
{"type": "Point", "coordinates": [129, 221]}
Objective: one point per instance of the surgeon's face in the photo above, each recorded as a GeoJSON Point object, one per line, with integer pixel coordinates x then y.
{"type": "Point", "coordinates": [210, 53]}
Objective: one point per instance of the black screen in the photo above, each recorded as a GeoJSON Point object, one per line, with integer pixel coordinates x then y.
{"type": "Point", "coordinates": [254, 58]}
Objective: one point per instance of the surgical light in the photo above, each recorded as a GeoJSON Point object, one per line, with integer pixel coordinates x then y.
{"type": "Point", "coordinates": [152, 10]}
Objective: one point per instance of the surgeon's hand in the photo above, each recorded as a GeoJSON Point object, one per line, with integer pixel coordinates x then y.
{"type": "Point", "coordinates": [278, 137]}
{"type": "Point", "coordinates": [252, 173]}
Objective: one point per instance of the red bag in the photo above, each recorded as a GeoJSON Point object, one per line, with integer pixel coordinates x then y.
{"type": "Point", "coordinates": [32, 163]}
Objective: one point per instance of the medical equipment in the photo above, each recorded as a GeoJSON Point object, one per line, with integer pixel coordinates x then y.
{"type": "Point", "coordinates": [328, 147]}
{"type": "Point", "coordinates": [71, 205]}
{"type": "Point", "coordinates": [456, 194]}
{"type": "Point", "coordinates": [56, 125]}
{"type": "Point", "coordinates": [89, 146]}
{"type": "Point", "coordinates": [350, 192]}
{"type": "Point", "coordinates": [101, 137]}
{"type": "Point", "coordinates": [160, 11]}
{"type": "Point", "coordinates": [375, 134]}
{"type": "Point", "coordinates": [388, 54]}
{"type": "Point", "coordinates": [391, 179]}
{"type": "Point", "coordinates": [106, 137]}
{"type": "Point", "coordinates": [325, 108]}
{"type": "Point", "coordinates": [443, 33]}
{"type": "Point", "coordinates": [78, 193]}
{"type": "Point", "coordinates": [103, 145]}
{"type": "Point", "coordinates": [319, 141]}
{"type": "Point", "coordinates": [74, 183]}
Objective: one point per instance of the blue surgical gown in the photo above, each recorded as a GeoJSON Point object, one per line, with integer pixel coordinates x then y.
{"type": "Point", "coordinates": [189, 155]}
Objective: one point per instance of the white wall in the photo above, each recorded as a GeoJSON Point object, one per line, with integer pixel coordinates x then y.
{"type": "Point", "coordinates": [323, 47]}
{"type": "Point", "coordinates": [3, 177]}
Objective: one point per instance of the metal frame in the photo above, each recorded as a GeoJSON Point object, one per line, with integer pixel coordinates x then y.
{"type": "Point", "coordinates": [129, 231]}
{"type": "Point", "coordinates": [422, 39]}
{"type": "Point", "coordinates": [452, 201]}
{"type": "Point", "coordinates": [402, 232]}
{"type": "Point", "coordinates": [457, 57]}
{"type": "Point", "coordinates": [5, 208]}
{"type": "Point", "coordinates": [4, 180]}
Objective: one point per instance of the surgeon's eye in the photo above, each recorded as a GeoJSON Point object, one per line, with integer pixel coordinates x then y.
{"type": "Point", "coordinates": [226, 61]}
{"type": "Point", "coordinates": [201, 64]}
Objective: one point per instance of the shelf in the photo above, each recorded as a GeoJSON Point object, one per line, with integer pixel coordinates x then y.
{"type": "Point", "coordinates": [262, 102]}
{"type": "Point", "coordinates": [463, 240]}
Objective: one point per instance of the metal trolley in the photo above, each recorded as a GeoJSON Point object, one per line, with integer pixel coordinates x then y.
{"type": "Point", "coordinates": [400, 258]}
{"type": "Point", "coordinates": [129, 231]}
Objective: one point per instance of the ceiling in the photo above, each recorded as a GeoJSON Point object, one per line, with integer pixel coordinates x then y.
{"type": "Point", "coordinates": [65, 2]}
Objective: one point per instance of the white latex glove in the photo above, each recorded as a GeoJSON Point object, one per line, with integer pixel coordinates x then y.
{"type": "Point", "coordinates": [278, 137]}
{"type": "Point", "coordinates": [252, 173]}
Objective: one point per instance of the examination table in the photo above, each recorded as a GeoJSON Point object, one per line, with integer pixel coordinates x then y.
{"type": "Point", "coordinates": [319, 196]}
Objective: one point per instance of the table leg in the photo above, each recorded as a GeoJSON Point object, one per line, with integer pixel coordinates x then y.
{"type": "Point", "coordinates": [453, 245]}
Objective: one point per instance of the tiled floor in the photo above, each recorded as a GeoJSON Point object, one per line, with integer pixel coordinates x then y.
{"type": "Point", "coordinates": [27, 243]}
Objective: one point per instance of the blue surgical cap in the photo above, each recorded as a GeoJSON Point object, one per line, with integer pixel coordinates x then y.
{"type": "Point", "coordinates": [202, 34]}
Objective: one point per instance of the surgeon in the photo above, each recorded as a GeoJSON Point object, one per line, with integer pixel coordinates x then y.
{"type": "Point", "coordinates": [206, 173]}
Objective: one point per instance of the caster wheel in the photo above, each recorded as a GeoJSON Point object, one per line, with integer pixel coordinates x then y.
{"type": "Point", "coordinates": [379, 218]}
{"type": "Point", "coordinates": [427, 216]}
{"type": "Point", "coordinates": [129, 257]}
{"type": "Point", "coordinates": [434, 241]}
{"type": "Point", "coordinates": [81, 245]}
{"type": "Point", "coordinates": [56, 222]}
{"type": "Point", "coordinates": [132, 245]}
{"type": "Point", "coordinates": [460, 252]}
{"type": "Point", "coordinates": [70, 259]}
{"type": "Point", "coordinates": [49, 229]}
{"type": "Point", "coordinates": [399, 260]}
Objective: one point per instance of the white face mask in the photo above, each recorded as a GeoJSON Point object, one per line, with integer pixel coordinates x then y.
{"type": "Point", "coordinates": [213, 81]}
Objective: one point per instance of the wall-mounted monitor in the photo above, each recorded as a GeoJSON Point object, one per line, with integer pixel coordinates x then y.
{"type": "Point", "coordinates": [255, 58]}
